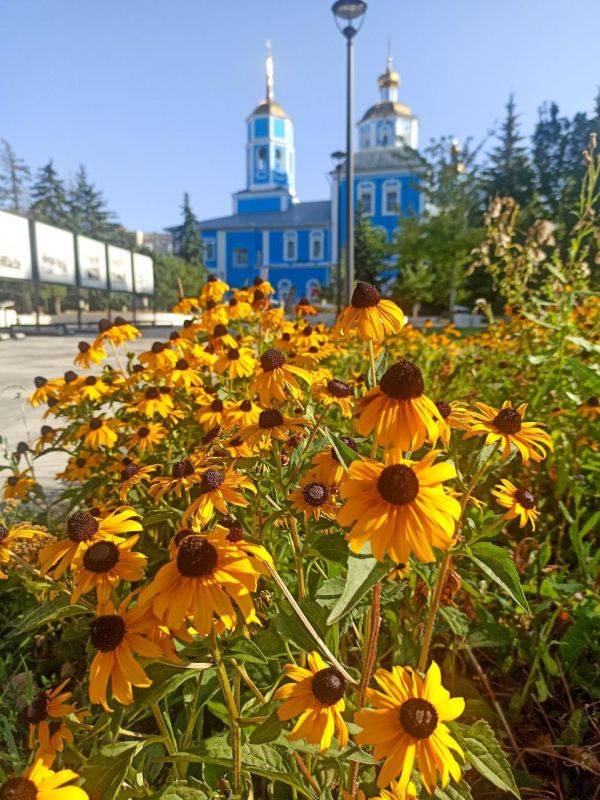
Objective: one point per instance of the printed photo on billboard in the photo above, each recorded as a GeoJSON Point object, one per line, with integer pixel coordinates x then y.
{"type": "Point", "coordinates": [143, 274]}
{"type": "Point", "coordinates": [92, 263]}
{"type": "Point", "coordinates": [55, 254]}
{"type": "Point", "coordinates": [15, 251]}
{"type": "Point", "coordinates": [119, 269]}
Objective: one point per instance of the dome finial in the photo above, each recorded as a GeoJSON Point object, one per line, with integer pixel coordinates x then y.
{"type": "Point", "coordinates": [270, 73]}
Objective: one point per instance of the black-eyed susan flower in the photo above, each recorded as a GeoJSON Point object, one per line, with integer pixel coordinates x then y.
{"type": "Point", "coordinates": [316, 696]}
{"type": "Point", "coordinates": [590, 408]}
{"type": "Point", "coordinates": [116, 634]}
{"type": "Point", "coordinates": [204, 576]}
{"type": "Point", "coordinates": [262, 285]}
{"type": "Point", "coordinates": [271, 424]}
{"type": "Point", "coordinates": [183, 475]}
{"type": "Point", "coordinates": [242, 414]}
{"type": "Point", "coordinates": [407, 725]}
{"type": "Point", "coordinates": [304, 308]}
{"type": "Point", "coordinates": [369, 315]}
{"type": "Point", "coordinates": [519, 501]}
{"type": "Point", "coordinates": [396, 792]}
{"type": "Point", "coordinates": [214, 288]}
{"type": "Point", "coordinates": [154, 401]}
{"type": "Point", "coordinates": [314, 498]}
{"type": "Point", "coordinates": [93, 388]}
{"type": "Point", "coordinates": [452, 415]}
{"type": "Point", "coordinates": [98, 432]}
{"type": "Point", "coordinates": [506, 426]}
{"type": "Point", "coordinates": [238, 308]}
{"type": "Point", "coordinates": [237, 362]}
{"type": "Point", "coordinates": [10, 537]}
{"type": "Point", "coordinates": [39, 782]}
{"type": "Point", "coordinates": [399, 506]}
{"type": "Point", "coordinates": [80, 467]}
{"type": "Point", "coordinates": [212, 414]}
{"type": "Point", "coordinates": [334, 392]}
{"type": "Point", "coordinates": [184, 375]}
{"type": "Point", "coordinates": [147, 436]}
{"type": "Point", "coordinates": [46, 718]}
{"type": "Point", "coordinates": [18, 486]}
{"type": "Point", "coordinates": [44, 390]}
{"type": "Point", "coordinates": [83, 530]}
{"type": "Point", "coordinates": [402, 416]}
{"type": "Point", "coordinates": [134, 474]}
{"type": "Point", "coordinates": [238, 448]}
{"type": "Point", "coordinates": [217, 490]}
{"type": "Point", "coordinates": [88, 355]}
{"type": "Point", "coordinates": [161, 356]}
{"type": "Point", "coordinates": [118, 332]}
{"type": "Point", "coordinates": [326, 466]}
{"type": "Point", "coordinates": [104, 564]}
{"type": "Point", "coordinates": [276, 379]}
{"type": "Point", "coordinates": [48, 435]}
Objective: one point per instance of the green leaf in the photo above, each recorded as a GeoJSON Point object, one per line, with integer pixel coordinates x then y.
{"type": "Point", "coordinates": [497, 564]}
{"type": "Point", "coordinates": [245, 650]}
{"type": "Point", "coordinates": [165, 680]}
{"type": "Point", "coordinates": [454, 791]}
{"type": "Point", "coordinates": [345, 454]}
{"type": "Point", "coordinates": [487, 757]}
{"type": "Point", "coordinates": [380, 368]}
{"type": "Point", "coordinates": [48, 612]}
{"type": "Point", "coordinates": [180, 791]}
{"type": "Point", "coordinates": [268, 731]}
{"type": "Point", "coordinates": [364, 572]}
{"type": "Point", "coordinates": [104, 772]}
{"type": "Point", "coordinates": [586, 376]}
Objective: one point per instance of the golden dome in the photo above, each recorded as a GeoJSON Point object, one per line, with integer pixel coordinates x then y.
{"type": "Point", "coordinates": [390, 77]}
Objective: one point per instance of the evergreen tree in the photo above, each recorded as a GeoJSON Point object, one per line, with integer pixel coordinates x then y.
{"type": "Point", "coordinates": [549, 156]}
{"type": "Point", "coordinates": [49, 201]}
{"type": "Point", "coordinates": [371, 249]}
{"type": "Point", "coordinates": [15, 177]}
{"type": "Point", "coordinates": [509, 172]}
{"type": "Point", "coordinates": [190, 244]}
{"type": "Point", "coordinates": [88, 213]}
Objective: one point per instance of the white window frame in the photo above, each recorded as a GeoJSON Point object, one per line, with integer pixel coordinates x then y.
{"type": "Point", "coordinates": [236, 252]}
{"type": "Point", "coordinates": [312, 283]}
{"type": "Point", "coordinates": [366, 188]}
{"type": "Point", "coordinates": [284, 287]}
{"type": "Point", "coordinates": [317, 236]}
{"type": "Point", "coordinates": [290, 237]}
{"type": "Point", "coordinates": [210, 248]}
{"type": "Point", "coordinates": [388, 186]}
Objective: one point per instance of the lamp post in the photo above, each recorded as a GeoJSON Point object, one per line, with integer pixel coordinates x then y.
{"type": "Point", "coordinates": [349, 16]}
{"type": "Point", "coordinates": [339, 157]}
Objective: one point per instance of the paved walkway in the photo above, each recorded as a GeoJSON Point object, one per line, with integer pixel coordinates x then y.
{"type": "Point", "coordinates": [20, 362]}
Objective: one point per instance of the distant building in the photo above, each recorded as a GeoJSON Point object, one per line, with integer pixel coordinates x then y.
{"type": "Point", "coordinates": [160, 243]}
{"type": "Point", "coordinates": [295, 244]}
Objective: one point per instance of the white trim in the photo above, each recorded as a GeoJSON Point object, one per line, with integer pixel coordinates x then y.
{"type": "Point", "coordinates": [222, 253]}
{"type": "Point", "coordinates": [318, 235]}
{"type": "Point", "coordinates": [395, 185]}
{"type": "Point", "coordinates": [290, 236]}
{"type": "Point", "coordinates": [366, 187]}
{"type": "Point", "coordinates": [265, 248]}
{"type": "Point", "coordinates": [209, 242]}
{"type": "Point", "coordinates": [311, 283]}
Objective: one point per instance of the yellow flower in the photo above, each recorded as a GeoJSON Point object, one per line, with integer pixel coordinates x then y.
{"type": "Point", "coordinates": [206, 573]}
{"type": "Point", "coordinates": [241, 414]}
{"type": "Point", "coordinates": [184, 375]}
{"type": "Point", "coordinates": [132, 475]}
{"type": "Point", "coordinates": [213, 289]}
{"type": "Point", "coordinates": [39, 782]}
{"type": "Point", "coordinates": [104, 564]}
{"type": "Point", "coordinates": [88, 355]}
{"type": "Point", "coordinates": [217, 489]}
{"type": "Point", "coordinates": [407, 725]}
{"type": "Point", "coordinates": [18, 486]}
{"type": "Point", "coordinates": [453, 415]}
{"type": "Point", "coordinates": [183, 476]}
{"type": "Point", "coordinates": [506, 426]}
{"type": "Point", "coordinates": [98, 433]}
{"type": "Point", "coordinates": [10, 536]}
{"type": "Point", "coordinates": [402, 416]}
{"type": "Point", "coordinates": [271, 424]}
{"type": "Point", "coordinates": [155, 400]}
{"type": "Point", "coordinates": [80, 467]}
{"type": "Point", "coordinates": [212, 415]}
{"type": "Point", "coordinates": [147, 436]}
{"type": "Point", "coordinates": [45, 715]}
{"type": "Point", "coordinates": [372, 317]}
{"type": "Point", "coordinates": [117, 332]}
{"type": "Point", "coordinates": [520, 503]}
{"type": "Point", "coordinates": [304, 308]}
{"type": "Point", "coordinates": [316, 696]}
{"type": "Point", "coordinates": [159, 357]}
{"type": "Point", "coordinates": [327, 467]}
{"type": "Point", "coordinates": [237, 362]}
{"type": "Point", "coordinates": [44, 390]}
{"type": "Point", "coordinates": [276, 378]}
{"type": "Point", "coordinates": [314, 499]}
{"type": "Point", "coordinates": [400, 507]}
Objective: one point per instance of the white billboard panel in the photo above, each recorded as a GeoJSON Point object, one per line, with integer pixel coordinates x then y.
{"type": "Point", "coordinates": [15, 250]}
{"type": "Point", "coordinates": [143, 274]}
{"type": "Point", "coordinates": [92, 263]}
{"type": "Point", "coordinates": [55, 254]}
{"type": "Point", "coordinates": [119, 269]}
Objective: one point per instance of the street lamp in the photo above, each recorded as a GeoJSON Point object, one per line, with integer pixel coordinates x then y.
{"type": "Point", "coordinates": [339, 157]}
{"type": "Point", "coordinates": [349, 16]}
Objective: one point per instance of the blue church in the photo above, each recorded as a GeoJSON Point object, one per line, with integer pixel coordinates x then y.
{"type": "Point", "coordinates": [294, 244]}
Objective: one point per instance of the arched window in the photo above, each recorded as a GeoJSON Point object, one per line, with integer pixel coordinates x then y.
{"type": "Point", "coordinates": [284, 287]}
{"type": "Point", "coordinates": [391, 197]}
{"type": "Point", "coordinates": [261, 159]}
{"type": "Point", "coordinates": [313, 289]}
{"type": "Point", "coordinates": [366, 198]}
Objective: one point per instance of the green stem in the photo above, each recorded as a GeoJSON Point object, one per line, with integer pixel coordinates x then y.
{"type": "Point", "coordinates": [236, 742]}
{"type": "Point", "coordinates": [306, 447]}
{"type": "Point", "coordinates": [167, 735]}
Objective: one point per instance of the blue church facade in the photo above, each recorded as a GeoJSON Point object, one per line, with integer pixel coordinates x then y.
{"type": "Point", "coordinates": [295, 245]}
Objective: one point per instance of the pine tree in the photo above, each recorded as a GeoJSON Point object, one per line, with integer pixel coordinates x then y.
{"type": "Point", "coordinates": [49, 201]}
{"type": "Point", "coordinates": [190, 244]}
{"type": "Point", "coordinates": [509, 172]}
{"type": "Point", "coordinates": [549, 153]}
{"type": "Point", "coordinates": [371, 249]}
{"type": "Point", "coordinates": [88, 213]}
{"type": "Point", "coordinates": [15, 177]}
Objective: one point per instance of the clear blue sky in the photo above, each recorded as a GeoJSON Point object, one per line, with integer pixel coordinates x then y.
{"type": "Point", "coordinates": [151, 95]}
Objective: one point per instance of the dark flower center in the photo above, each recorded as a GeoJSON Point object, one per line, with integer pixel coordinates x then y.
{"type": "Point", "coordinates": [182, 364]}
{"type": "Point", "coordinates": [137, 368]}
{"type": "Point", "coordinates": [257, 281]}
{"type": "Point", "coordinates": [508, 421]}
{"type": "Point", "coordinates": [233, 354]}
{"type": "Point", "coordinates": [143, 432]}
{"type": "Point", "coordinates": [187, 323]}
{"type": "Point", "coordinates": [210, 304]}
{"type": "Point", "coordinates": [129, 471]}
{"type": "Point", "coordinates": [12, 480]}
{"type": "Point", "coordinates": [101, 557]}
{"type": "Point", "coordinates": [180, 535]}
{"type": "Point", "coordinates": [236, 532]}
{"type": "Point", "coordinates": [211, 279]}
{"type": "Point", "coordinates": [90, 380]}
{"type": "Point", "coordinates": [174, 335]}
{"type": "Point", "coordinates": [81, 526]}
{"type": "Point", "coordinates": [39, 381]}
{"type": "Point", "coordinates": [104, 325]}
{"type": "Point", "coordinates": [328, 686]}
{"type": "Point", "coordinates": [402, 381]}
{"type": "Point", "coordinates": [258, 295]}
{"type": "Point", "coordinates": [303, 301]}
{"type": "Point", "coordinates": [272, 359]}
{"type": "Point", "coordinates": [444, 408]}
{"type": "Point", "coordinates": [365, 295]}
{"type": "Point", "coordinates": [37, 710]}
{"type": "Point", "coordinates": [315, 494]}
{"type": "Point", "coordinates": [233, 302]}
{"type": "Point", "coordinates": [236, 441]}
{"type": "Point", "coordinates": [217, 405]}
{"type": "Point", "coordinates": [3, 533]}
{"type": "Point", "coordinates": [96, 424]}
{"type": "Point", "coordinates": [286, 337]}
{"type": "Point", "coordinates": [81, 462]}
{"type": "Point", "coordinates": [152, 393]}
{"type": "Point", "coordinates": [418, 717]}
{"type": "Point", "coordinates": [121, 321]}
{"type": "Point", "coordinates": [270, 418]}
{"type": "Point", "coordinates": [398, 484]}
{"type": "Point", "coordinates": [307, 331]}
{"type": "Point", "coordinates": [46, 430]}
{"type": "Point", "coordinates": [220, 330]}
{"type": "Point", "coordinates": [211, 481]}
{"type": "Point", "coordinates": [196, 557]}
{"type": "Point", "coordinates": [246, 405]}
{"type": "Point", "coordinates": [525, 498]}
{"type": "Point", "coordinates": [107, 632]}
{"type": "Point", "coordinates": [593, 402]}
{"type": "Point", "coordinates": [211, 435]}
{"type": "Point", "coordinates": [83, 347]}
{"type": "Point", "coordinates": [338, 388]}
{"type": "Point", "coordinates": [183, 469]}
{"type": "Point", "coordinates": [18, 789]}
{"type": "Point", "coordinates": [158, 347]}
